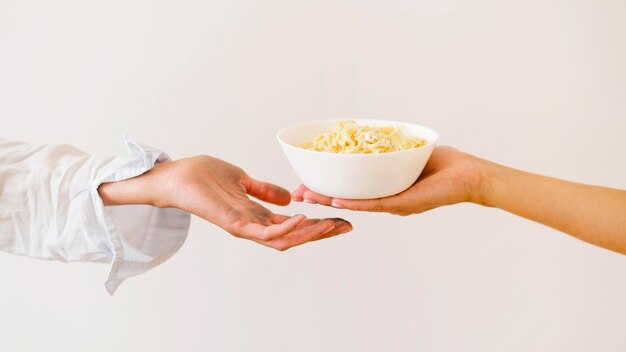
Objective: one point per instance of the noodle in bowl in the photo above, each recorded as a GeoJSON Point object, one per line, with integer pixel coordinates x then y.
{"type": "Point", "coordinates": [356, 176]}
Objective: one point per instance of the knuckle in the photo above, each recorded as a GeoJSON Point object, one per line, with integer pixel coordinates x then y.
{"type": "Point", "coordinates": [236, 233]}
{"type": "Point", "coordinates": [200, 157]}
{"type": "Point", "coordinates": [378, 208]}
{"type": "Point", "coordinates": [264, 237]}
{"type": "Point", "coordinates": [234, 230]}
{"type": "Point", "coordinates": [399, 211]}
{"type": "Point", "coordinates": [264, 188]}
{"type": "Point", "coordinates": [281, 247]}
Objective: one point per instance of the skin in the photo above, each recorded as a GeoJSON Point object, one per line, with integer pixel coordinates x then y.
{"type": "Point", "coordinates": [593, 214]}
{"type": "Point", "coordinates": [218, 192]}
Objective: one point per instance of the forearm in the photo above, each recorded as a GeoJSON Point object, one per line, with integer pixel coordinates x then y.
{"type": "Point", "coordinates": [593, 214]}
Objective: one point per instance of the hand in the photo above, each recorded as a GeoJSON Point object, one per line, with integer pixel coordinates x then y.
{"type": "Point", "coordinates": [450, 177]}
{"type": "Point", "coordinates": [218, 192]}
{"type": "Point", "coordinates": [591, 213]}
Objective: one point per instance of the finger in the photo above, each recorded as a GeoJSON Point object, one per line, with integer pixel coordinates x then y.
{"type": "Point", "coordinates": [266, 233]}
{"type": "Point", "coordinates": [297, 194]}
{"type": "Point", "coordinates": [342, 228]}
{"type": "Point", "coordinates": [386, 204]}
{"type": "Point", "coordinates": [303, 235]}
{"type": "Point", "coordinates": [278, 218]}
{"type": "Point", "coordinates": [267, 192]}
{"type": "Point", "coordinates": [303, 193]}
{"type": "Point", "coordinates": [341, 225]}
{"type": "Point", "coordinates": [316, 198]}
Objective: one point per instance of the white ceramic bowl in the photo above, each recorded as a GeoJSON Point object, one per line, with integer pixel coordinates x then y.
{"type": "Point", "coordinates": [355, 176]}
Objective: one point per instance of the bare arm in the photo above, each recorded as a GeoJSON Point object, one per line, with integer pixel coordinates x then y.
{"type": "Point", "coordinates": [593, 214]}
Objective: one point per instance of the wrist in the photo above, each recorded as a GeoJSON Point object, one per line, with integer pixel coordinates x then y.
{"type": "Point", "coordinates": [493, 183]}
{"type": "Point", "coordinates": [483, 186]}
{"type": "Point", "coordinates": [136, 190]}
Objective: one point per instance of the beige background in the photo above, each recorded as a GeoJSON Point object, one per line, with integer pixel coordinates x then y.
{"type": "Point", "coordinates": [538, 85]}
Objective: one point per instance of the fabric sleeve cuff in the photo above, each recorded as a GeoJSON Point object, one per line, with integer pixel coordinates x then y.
{"type": "Point", "coordinates": [140, 236]}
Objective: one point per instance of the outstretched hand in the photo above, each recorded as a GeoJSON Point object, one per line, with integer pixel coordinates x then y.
{"type": "Point", "coordinates": [591, 213]}
{"type": "Point", "coordinates": [218, 192]}
{"type": "Point", "coordinates": [449, 177]}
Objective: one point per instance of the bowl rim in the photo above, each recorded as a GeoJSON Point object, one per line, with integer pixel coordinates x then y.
{"type": "Point", "coordinates": [428, 143]}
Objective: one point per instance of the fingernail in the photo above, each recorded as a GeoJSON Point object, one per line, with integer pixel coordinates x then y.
{"type": "Point", "coordinates": [336, 205]}
{"type": "Point", "coordinates": [295, 199]}
{"type": "Point", "coordinates": [309, 201]}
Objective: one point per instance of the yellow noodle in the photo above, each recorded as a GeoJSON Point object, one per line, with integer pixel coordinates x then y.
{"type": "Point", "coordinates": [349, 138]}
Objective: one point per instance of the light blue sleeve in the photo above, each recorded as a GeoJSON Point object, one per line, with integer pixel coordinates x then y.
{"type": "Point", "coordinates": [50, 209]}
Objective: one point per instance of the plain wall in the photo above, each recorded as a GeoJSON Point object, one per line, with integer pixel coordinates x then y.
{"type": "Point", "coordinates": [538, 85]}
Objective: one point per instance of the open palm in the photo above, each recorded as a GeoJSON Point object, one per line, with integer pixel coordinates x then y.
{"type": "Point", "coordinates": [219, 192]}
